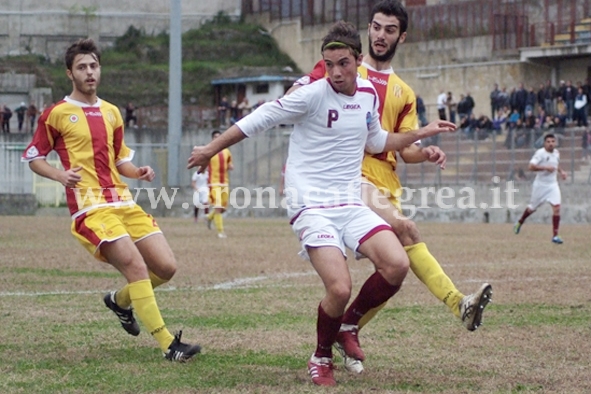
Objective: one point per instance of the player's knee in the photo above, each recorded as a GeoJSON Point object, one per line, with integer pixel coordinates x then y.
{"type": "Point", "coordinates": [395, 271]}
{"type": "Point", "coordinates": [340, 293]}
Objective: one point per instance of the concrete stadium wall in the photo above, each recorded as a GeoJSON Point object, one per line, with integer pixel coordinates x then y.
{"type": "Point", "coordinates": [47, 27]}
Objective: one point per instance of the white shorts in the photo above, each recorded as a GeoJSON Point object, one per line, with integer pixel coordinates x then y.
{"type": "Point", "coordinates": [542, 193]}
{"type": "Point", "coordinates": [201, 197]}
{"type": "Point", "coordinates": [341, 227]}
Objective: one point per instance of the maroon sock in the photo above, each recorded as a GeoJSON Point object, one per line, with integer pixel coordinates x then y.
{"type": "Point", "coordinates": [375, 291]}
{"type": "Point", "coordinates": [525, 215]}
{"type": "Point", "coordinates": [555, 224]}
{"type": "Point", "coordinates": [327, 329]}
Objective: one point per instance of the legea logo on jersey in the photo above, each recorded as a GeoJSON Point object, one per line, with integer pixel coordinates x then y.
{"type": "Point", "coordinates": [93, 113]}
{"type": "Point", "coordinates": [32, 152]}
{"type": "Point", "coordinates": [353, 106]}
{"type": "Point", "coordinates": [379, 81]}
{"type": "Point", "coordinates": [73, 118]}
{"type": "Point", "coordinates": [397, 90]}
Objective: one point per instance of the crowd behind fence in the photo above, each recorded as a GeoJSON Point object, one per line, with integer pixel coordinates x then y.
{"type": "Point", "coordinates": [258, 162]}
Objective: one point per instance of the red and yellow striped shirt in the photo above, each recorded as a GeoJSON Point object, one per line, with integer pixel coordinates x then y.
{"type": "Point", "coordinates": [218, 168]}
{"type": "Point", "coordinates": [90, 137]}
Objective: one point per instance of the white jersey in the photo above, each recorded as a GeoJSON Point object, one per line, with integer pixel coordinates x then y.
{"type": "Point", "coordinates": [330, 134]}
{"type": "Point", "coordinates": [544, 158]}
{"type": "Point", "coordinates": [200, 180]}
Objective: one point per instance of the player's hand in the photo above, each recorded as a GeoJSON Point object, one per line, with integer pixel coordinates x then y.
{"type": "Point", "coordinates": [434, 154]}
{"type": "Point", "coordinates": [550, 169]}
{"type": "Point", "coordinates": [436, 127]}
{"type": "Point", "coordinates": [70, 178]}
{"type": "Point", "coordinates": [146, 173]}
{"type": "Point", "coordinates": [563, 175]}
{"type": "Point", "coordinates": [199, 158]}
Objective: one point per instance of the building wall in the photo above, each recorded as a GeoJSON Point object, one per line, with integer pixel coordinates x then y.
{"type": "Point", "coordinates": [46, 28]}
{"type": "Point", "coordinates": [458, 65]}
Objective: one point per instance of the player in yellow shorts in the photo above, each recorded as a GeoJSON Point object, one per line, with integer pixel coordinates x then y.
{"type": "Point", "coordinates": [87, 134]}
{"type": "Point", "coordinates": [381, 187]}
{"type": "Point", "coordinates": [219, 186]}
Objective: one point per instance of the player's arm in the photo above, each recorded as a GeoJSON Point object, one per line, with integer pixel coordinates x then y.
{"type": "Point", "coordinates": [399, 141]}
{"type": "Point", "coordinates": [129, 170]}
{"type": "Point", "coordinates": [201, 155]}
{"type": "Point", "coordinates": [416, 154]}
{"type": "Point", "coordinates": [68, 178]}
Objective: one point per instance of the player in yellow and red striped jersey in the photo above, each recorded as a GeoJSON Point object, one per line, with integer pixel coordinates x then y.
{"type": "Point", "coordinates": [219, 186]}
{"type": "Point", "coordinates": [87, 134]}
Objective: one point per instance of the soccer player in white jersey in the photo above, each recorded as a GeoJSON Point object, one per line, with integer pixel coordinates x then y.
{"type": "Point", "coordinates": [545, 188]}
{"type": "Point", "coordinates": [201, 193]}
{"type": "Point", "coordinates": [335, 119]}
{"type": "Point", "coordinates": [381, 188]}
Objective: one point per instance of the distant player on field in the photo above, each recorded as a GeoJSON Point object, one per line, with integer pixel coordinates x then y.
{"type": "Point", "coordinates": [219, 169]}
{"type": "Point", "coordinates": [87, 134]}
{"type": "Point", "coordinates": [200, 193]}
{"type": "Point", "coordinates": [381, 187]}
{"type": "Point", "coordinates": [545, 162]}
{"type": "Point", "coordinates": [335, 119]}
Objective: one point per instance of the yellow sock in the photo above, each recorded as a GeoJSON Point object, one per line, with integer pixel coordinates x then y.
{"type": "Point", "coordinates": [122, 296]}
{"type": "Point", "coordinates": [144, 305]}
{"type": "Point", "coordinates": [428, 270]}
{"type": "Point", "coordinates": [219, 222]}
{"type": "Point", "coordinates": [210, 214]}
{"type": "Point", "coordinates": [370, 315]}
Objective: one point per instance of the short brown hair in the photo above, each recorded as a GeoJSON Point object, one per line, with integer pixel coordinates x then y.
{"type": "Point", "coordinates": [84, 46]}
{"type": "Point", "coordinates": [343, 35]}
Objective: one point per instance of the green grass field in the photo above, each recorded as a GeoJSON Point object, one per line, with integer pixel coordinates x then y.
{"type": "Point", "coordinates": [251, 303]}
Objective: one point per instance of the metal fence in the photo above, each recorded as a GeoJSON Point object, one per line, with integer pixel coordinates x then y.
{"type": "Point", "coordinates": [258, 162]}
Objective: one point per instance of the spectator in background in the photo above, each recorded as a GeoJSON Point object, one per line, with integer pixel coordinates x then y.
{"type": "Point", "coordinates": [521, 99]}
{"type": "Point", "coordinates": [468, 125]}
{"type": "Point", "coordinates": [129, 115]}
{"type": "Point", "coordinates": [470, 103]}
{"type": "Point", "coordinates": [21, 110]}
{"type": "Point", "coordinates": [223, 108]}
{"type": "Point", "coordinates": [540, 99]}
{"type": "Point", "coordinates": [549, 96]}
{"type": "Point", "coordinates": [462, 108]}
{"type": "Point", "coordinates": [504, 100]}
{"type": "Point", "coordinates": [7, 114]}
{"type": "Point", "coordinates": [494, 100]}
{"type": "Point", "coordinates": [234, 113]}
{"type": "Point", "coordinates": [561, 110]}
{"type": "Point", "coordinates": [243, 108]}
{"type": "Point", "coordinates": [32, 113]}
{"type": "Point", "coordinates": [580, 108]}
{"type": "Point", "coordinates": [421, 111]}
{"type": "Point", "coordinates": [568, 95]}
{"type": "Point", "coordinates": [530, 100]}
{"type": "Point", "coordinates": [452, 107]}
{"type": "Point", "coordinates": [442, 105]}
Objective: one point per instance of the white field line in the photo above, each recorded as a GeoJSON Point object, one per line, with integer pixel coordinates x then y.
{"type": "Point", "coordinates": [241, 283]}
{"type": "Point", "coordinates": [249, 283]}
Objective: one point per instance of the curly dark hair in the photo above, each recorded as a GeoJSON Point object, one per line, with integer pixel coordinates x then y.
{"type": "Point", "coordinates": [84, 46]}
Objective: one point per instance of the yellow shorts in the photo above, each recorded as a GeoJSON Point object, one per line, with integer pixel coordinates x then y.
{"type": "Point", "coordinates": [218, 196]}
{"type": "Point", "coordinates": [109, 224]}
{"type": "Point", "coordinates": [381, 174]}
